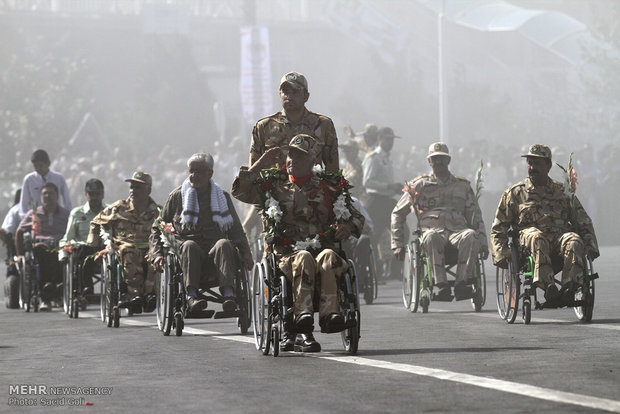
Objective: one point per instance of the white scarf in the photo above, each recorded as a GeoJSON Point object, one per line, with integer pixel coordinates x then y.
{"type": "Point", "coordinates": [219, 206]}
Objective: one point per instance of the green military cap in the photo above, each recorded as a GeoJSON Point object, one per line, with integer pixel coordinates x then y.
{"type": "Point", "coordinates": [539, 151]}
{"type": "Point", "coordinates": [438, 148]}
{"type": "Point", "coordinates": [304, 143]}
{"type": "Point", "coordinates": [296, 79]}
{"type": "Point", "coordinates": [140, 177]}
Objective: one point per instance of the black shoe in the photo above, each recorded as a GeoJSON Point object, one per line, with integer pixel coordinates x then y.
{"type": "Point", "coordinates": [150, 303]}
{"type": "Point", "coordinates": [332, 323]}
{"type": "Point", "coordinates": [304, 322]}
{"type": "Point", "coordinates": [195, 306]}
{"type": "Point", "coordinates": [229, 305]}
{"type": "Point", "coordinates": [463, 291]}
{"type": "Point", "coordinates": [444, 295]}
{"type": "Point", "coordinates": [87, 290]}
{"type": "Point", "coordinates": [567, 294]}
{"type": "Point", "coordinates": [307, 343]}
{"type": "Point", "coordinates": [552, 296]}
{"type": "Point", "coordinates": [288, 341]}
{"type": "Point", "coordinates": [136, 304]}
{"type": "Point", "coordinates": [47, 292]}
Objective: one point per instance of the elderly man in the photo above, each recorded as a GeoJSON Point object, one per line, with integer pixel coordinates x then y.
{"type": "Point", "coordinates": [47, 225]}
{"type": "Point", "coordinates": [208, 230]}
{"type": "Point", "coordinates": [309, 205]}
{"type": "Point", "coordinates": [78, 228]}
{"type": "Point", "coordinates": [277, 130]}
{"type": "Point", "coordinates": [128, 225]}
{"type": "Point", "coordinates": [549, 225]}
{"type": "Point", "coordinates": [448, 214]}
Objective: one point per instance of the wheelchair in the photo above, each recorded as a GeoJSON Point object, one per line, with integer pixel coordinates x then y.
{"type": "Point", "coordinates": [417, 288]}
{"type": "Point", "coordinates": [74, 298]}
{"type": "Point", "coordinates": [12, 281]}
{"type": "Point", "coordinates": [29, 277]}
{"type": "Point", "coordinates": [366, 267]}
{"type": "Point", "coordinates": [172, 308]}
{"type": "Point", "coordinates": [112, 281]}
{"type": "Point", "coordinates": [519, 276]}
{"type": "Point", "coordinates": [272, 306]}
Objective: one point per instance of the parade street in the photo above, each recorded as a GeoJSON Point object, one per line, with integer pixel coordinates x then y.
{"type": "Point", "coordinates": [451, 359]}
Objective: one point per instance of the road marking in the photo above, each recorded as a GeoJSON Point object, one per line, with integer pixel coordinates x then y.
{"type": "Point", "coordinates": [526, 390]}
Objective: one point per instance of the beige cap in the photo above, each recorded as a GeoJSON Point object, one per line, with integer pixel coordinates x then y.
{"type": "Point", "coordinates": [539, 151]}
{"type": "Point", "coordinates": [304, 143]}
{"type": "Point", "coordinates": [141, 177]}
{"type": "Point", "coordinates": [438, 148]}
{"type": "Point", "coordinates": [296, 79]}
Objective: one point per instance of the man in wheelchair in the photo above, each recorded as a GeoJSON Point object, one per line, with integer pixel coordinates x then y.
{"type": "Point", "coordinates": [550, 229]}
{"type": "Point", "coordinates": [448, 215]}
{"type": "Point", "coordinates": [127, 223]}
{"type": "Point", "coordinates": [306, 212]}
{"type": "Point", "coordinates": [46, 225]}
{"type": "Point", "coordinates": [207, 228]}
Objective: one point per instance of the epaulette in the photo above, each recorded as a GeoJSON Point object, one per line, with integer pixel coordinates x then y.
{"type": "Point", "coordinates": [461, 178]}
{"type": "Point", "coordinates": [419, 177]}
{"type": "Point", "coordinates": [519, 184]}
{"type": "Point", "coordinates": [268, 117]}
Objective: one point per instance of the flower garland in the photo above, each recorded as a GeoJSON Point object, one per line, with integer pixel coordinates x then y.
{"type": "Point", "coordinates": [167, 237]}
{"type": "Point", "coordinates": [272, 211]}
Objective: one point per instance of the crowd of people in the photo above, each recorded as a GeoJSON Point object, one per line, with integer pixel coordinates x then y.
{"type": "Point", "coordinates": [279, 183]}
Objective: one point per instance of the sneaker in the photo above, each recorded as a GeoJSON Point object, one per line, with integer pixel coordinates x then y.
{"type": "Point", "coordinates": [150, 303]}
{"type": "Point", "coordinates": [229, 305]}
{"type": "Point", "coordinates": [195, 306]}
{"type": "Point", "coordinates": [332, 323]}
{"type": "Point", "coordinates": [288, 341]}
{"type": "Point", "coordinates": [307, 343]}
{"type": "Point", "coordinates": [45, 306]}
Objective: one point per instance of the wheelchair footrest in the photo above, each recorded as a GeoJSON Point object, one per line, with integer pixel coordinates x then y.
{"type": "Point", "coordinates": [594, 276]}
{"type": "Point", "coordinates": [349, 324]}
{"type": "Point", "coordinates": [204, 314]}
{"type": "Point", "coordinates": [438, 298]}
{"type": "Point", "coordinates": [222, 314]}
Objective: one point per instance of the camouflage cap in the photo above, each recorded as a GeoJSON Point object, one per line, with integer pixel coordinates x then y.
{"type": "Point", "coordinates": [93, 185]}
{"type": "Point", "coordinates": [438, 148]}
{"type": "Point", "coordinates": [296, 79]}
{"type": "Point", "coordinates": [304, 143]}
{"type": "Point", "coordinates": [140, 177]}
{"type": "Point", "coordinates": [538, 151]}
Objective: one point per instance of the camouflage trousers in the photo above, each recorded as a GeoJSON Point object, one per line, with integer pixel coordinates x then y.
{"type": "Point", "coordinates": [434, 243]}
{"type": "Point", "coordinates": [139, 273]}
{"type": "Point", "coordinates": [301, 268]}
{"type": "Point", "coordinates": [543, 247]}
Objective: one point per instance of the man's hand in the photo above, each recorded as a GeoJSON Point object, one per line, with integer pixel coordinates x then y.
{"type": "Point", "coordinates": [268, 159]}
{"type": "Point", "coordinates": [158, 263]}
{"type": "Point", "coordinates": [342, 232]}
{"type": "Point", "coordinates": [502, 263]}
{"type": "Point", "coordinates": [399, 253]}
{"type": "Point", "coordinates": [592, 253]}
{"type": "Point", "coordinates": [248, 260]}
{"type": "Point", "coordinates": [484, 252]}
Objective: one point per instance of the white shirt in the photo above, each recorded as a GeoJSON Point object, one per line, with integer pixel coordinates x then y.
{"type": "Point", "coordinates": [378, 172]}
{"type": "Point", "coordinates": [31, 190]}
{"type": "Point", "coordinates": [12, 220]}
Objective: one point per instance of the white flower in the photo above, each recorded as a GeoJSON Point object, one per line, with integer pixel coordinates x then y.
{"type": "Point", "coordinates": [317, 169]}
{"type": "Point", "coordinates": [105, 236]}
{"type": "Point", "coordinates": [272, 209]}
{"type": "Point", "coordinates": [308, 244]}
{"type": "Point", "coordinates": [164, 240]}
{"type": "Point", "coordinates": [341, 210]}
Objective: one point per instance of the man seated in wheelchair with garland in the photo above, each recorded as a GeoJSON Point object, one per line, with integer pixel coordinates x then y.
{"type": "Point", "coordinates": [449, 219]}
{"type": "Point", "coordinates": [306, 212]}
{"type": "Point", "coordinates": [551, 225]}
{"type": "Point", "coordinates": [201, 218]}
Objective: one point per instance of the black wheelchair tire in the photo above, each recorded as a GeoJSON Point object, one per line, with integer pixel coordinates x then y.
{"type": "Point", "coordinates": [11, 292]}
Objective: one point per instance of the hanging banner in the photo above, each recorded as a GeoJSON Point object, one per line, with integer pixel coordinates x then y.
{"type": "Point", "coordinates": [255, 83]}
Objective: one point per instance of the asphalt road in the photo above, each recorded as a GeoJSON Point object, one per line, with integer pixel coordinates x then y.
{"type": "Point", "coordinates": [451, 360]}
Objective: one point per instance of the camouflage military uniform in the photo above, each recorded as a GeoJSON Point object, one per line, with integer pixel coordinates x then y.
{"type": "Point", "coordinates": [130, 230]}
{"type": "Point", "coordinates": [307, 211]}
{"type": "Point", "coordinates": [276, 131]}
{"type": "Point", "coordinates": [546, 226]}
{"type": "Point", "coordinates": [448, 213]}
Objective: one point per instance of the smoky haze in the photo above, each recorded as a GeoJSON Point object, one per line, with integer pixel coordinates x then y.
{"type": "Point", "coordinates": [110, 87]}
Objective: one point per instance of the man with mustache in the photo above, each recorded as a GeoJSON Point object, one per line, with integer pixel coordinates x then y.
{"type": "Point", "coordinates": [540, 210]}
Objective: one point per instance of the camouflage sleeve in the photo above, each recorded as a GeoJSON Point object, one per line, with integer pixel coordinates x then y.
{"type": "Point", "coordinates": [330, 147]}
{"type": "Point", "coordinates": [473, 215]}
{"type": "Point", "coordinates": [585, 228]}
{"type": "Point", "coordinates": [236, 233]}
{"type": "Point", "coordinates": [257, 145]}
{"type": "Point", "coordinates": [243, 188]}
{"type": "Point", "coordinates": [504, 218]}
{"type": "Point", "coordinates": [399, 217]}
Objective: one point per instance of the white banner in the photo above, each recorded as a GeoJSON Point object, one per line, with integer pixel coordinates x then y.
{"type": "Point", "coordinates": [255, 83]}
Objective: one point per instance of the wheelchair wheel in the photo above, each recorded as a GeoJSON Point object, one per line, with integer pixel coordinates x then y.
{"type": "Point", "coordinates": [104, 285]}
{"type": "Point", "coordinates": [244, 301]}
{"type": "Point", "coordinates": [350, 309]}
{"type": "Point", "coordinates": [371, 286]}
{"type": "Point", "coordinates": [74, 311]}
{"type": "Point", "coordinates": [25, 287]}
{"type": "Point", "coordinates": [261, 298]}
{"type": "Point", "coordinates": [165, 301]}
{"type": "Point", "coordinates": [11, 292]}
{"type": "Point", "coordinates": [275, 340]}
{"type": "Point", "coordinates": [116, 317]}
{"type": "Point", "coordinates": [586, 294]}
{"type": "Point", "coordinates": [412, 278]}
{"type": "Point", "coordinates": [527, 311]}
{"type": "Point", "coordinates": [480, 287]}
{"type": "Point", "coordinates": [508, 286]}
{"type": "Point", "coordinates": [179, 324]}
{"type": "Point", "coordinates": [67, 288]}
